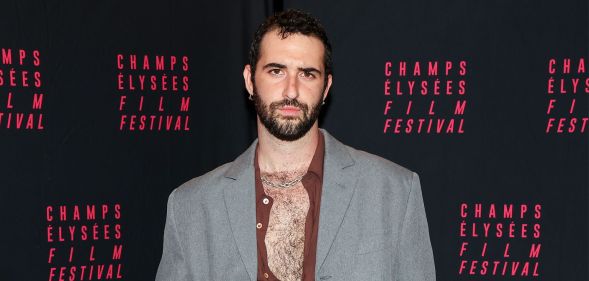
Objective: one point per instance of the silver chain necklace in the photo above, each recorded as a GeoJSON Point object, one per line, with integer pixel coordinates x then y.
{"type": "Point", "coordinates": [282, 184]}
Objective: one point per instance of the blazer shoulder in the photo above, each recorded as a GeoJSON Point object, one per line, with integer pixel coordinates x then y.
{"type": "Point", "coordinates": [203, 186]}
{"type": "Point", "coordinates": [377, 166]}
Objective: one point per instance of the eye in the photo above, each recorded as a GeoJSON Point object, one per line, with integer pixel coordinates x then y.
{"type": "Point", "coordinates": [275, 71]}
{"type": "Point", "coordinates": [308, 75]}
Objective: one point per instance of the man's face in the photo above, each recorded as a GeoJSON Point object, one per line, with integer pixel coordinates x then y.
{"type": "Point", "coordinates": [288, 88]}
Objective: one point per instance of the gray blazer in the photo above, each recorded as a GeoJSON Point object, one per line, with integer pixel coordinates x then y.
{"type": "Point", "coordinates": [372, 223]}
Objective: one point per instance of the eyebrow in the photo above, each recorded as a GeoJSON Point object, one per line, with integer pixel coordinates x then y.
{"type": "Point", "coordinates": [310, 69]}
{"type": "Point", "coordinates": [282, 66]}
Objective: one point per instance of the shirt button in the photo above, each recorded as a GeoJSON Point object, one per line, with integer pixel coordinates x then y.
{"type": "Point", "coordinates": [259, 225]}
{"type": "Point", "coordinates": [265, 201]}
{"type": "Point", "coordinates": [266, 275]}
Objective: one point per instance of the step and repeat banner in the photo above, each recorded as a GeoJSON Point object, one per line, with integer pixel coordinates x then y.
{"type": "Point", "coordinates": [105, 107]}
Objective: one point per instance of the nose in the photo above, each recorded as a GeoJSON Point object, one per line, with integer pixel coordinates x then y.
{"type": "Point", "coordinates": [291, 91]}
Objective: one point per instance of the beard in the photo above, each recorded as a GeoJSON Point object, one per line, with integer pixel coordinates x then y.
{"type": "Point", "coordinates": [286, 128]}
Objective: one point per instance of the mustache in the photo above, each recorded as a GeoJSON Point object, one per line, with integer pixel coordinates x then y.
{"type": "Point", "coordinates": [289, 102]}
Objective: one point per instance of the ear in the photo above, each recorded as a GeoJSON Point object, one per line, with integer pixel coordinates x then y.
{"type": "Point", "coordinates": [247, 79]}
{"type": "Point", "coordinates": [327, 87]}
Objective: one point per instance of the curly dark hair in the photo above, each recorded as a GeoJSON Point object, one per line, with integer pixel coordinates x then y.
{"type": "Point", "coordinates": [291, 22]}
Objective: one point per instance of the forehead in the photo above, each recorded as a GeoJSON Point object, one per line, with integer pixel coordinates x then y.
{"type": "Point", "coordinates": [297, 49]}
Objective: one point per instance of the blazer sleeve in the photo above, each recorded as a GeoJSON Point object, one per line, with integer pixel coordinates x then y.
{"type": "Point", "coordinates": [172, 266]}
{"type": "Point", "coordinates": [416, 260]}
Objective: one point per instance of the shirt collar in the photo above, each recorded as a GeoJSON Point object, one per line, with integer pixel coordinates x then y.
{"type": "Point", "coordinates": [316, 166]}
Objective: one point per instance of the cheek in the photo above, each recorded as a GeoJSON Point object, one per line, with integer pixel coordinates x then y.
{"type": "Point", "coordinates": [312, 89]}
{"type": "Point", "coordinates": [313, 86]}
{"type": "Point", "coordinates": [268, 86]}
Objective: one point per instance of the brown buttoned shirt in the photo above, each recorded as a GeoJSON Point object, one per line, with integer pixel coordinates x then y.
{"type": "Point", "coordinates": [312, 182]}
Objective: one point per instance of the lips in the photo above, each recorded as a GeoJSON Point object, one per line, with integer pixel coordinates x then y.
{"type": "Point", "coordinates": [289, 108]}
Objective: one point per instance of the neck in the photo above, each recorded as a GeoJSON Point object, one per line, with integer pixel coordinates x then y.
{"type": "Point", "coordinates": [275, 155]}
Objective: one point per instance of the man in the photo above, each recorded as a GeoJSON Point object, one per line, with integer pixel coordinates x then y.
{"type": "Point", "coordinates": [298, 204]}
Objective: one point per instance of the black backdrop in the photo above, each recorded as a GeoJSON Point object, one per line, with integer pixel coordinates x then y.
{"type": "Point", "coordinates": [69, 150]}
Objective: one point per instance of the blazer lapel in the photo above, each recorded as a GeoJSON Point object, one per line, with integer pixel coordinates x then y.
{"type": "Point", "coordinates": [337, 191]}
{"type": "Point", "coordinates": [239, 197]}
